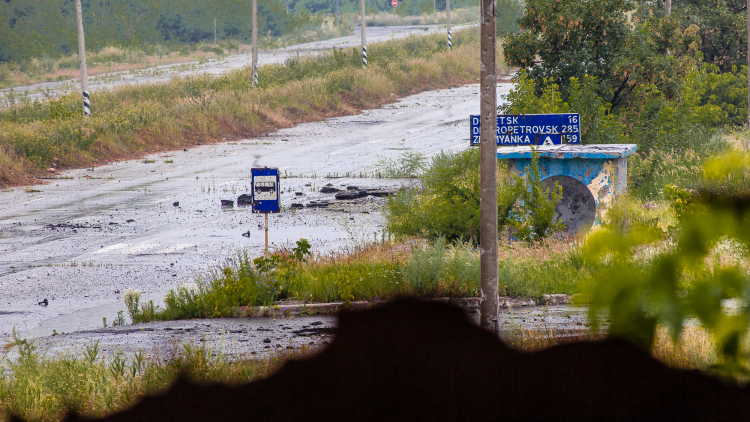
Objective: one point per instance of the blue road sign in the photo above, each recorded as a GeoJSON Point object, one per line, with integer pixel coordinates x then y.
{"type": "Point", "coordinates": [265, 187]}
{"type": "Point", "coordinates": [532, 129]}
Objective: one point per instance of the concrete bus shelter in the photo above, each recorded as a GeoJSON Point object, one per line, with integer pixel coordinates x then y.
{"type": "Point", "coordinates": [591, 177]}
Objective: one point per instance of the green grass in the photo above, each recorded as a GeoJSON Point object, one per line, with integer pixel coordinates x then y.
{"type": "Point", "coordinates": [40, 387]}
{"type": "Point", "coordinates": [425, 270]}
{"type": "Point", "coordinates": [136, 118]}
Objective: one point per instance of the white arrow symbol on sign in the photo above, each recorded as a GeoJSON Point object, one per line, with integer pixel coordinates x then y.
{"type": "Point", "coordinates": [547, 141]}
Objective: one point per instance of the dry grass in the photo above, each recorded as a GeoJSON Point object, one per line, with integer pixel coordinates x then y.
{"type": "Point", "coordinates": [40, 387]}
{"type": "Point", "coordinates": [8, 167]}
{"type": "Point", "coordinates": [538, 252]}
{"type": "Point", "coordinates": [693, 350]}
{"type": "Point", "coordinates": [134, 120]}
{"type": "Point", "coordinates": [363, 254]}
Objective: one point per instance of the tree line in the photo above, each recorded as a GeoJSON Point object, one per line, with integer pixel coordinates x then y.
{"type": "Point", "coordinates": [37, 28]}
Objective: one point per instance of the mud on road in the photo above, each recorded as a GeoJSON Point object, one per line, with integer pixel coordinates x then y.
{"type": "Point", "coordinates": [81, 240]}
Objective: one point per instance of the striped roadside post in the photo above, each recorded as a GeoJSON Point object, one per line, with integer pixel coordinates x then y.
{"type": "Point", "coordinates": [363, 25]}
{"type": "Point", "coordinates": [82, 56]}
{"type": "Point", "coordinates": [86, 104]}
{"type": "Point", "coordinates": [448, 22]}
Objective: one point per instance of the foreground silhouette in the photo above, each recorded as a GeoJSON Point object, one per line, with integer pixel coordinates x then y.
{"type": "Point", "coordinates": [413, 361]}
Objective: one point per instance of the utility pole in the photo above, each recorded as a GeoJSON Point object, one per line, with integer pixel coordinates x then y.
{"type": "Point", "coordinates": [488, 171]}
{"type": "Point", "coordinates": [214, 31]}
{"type": "Point", "coordinates": [747, 7]}
{"type": "Point", "coordinates": [364, 41]}
{"type": "Point", "coordinates": [448, 19]}
{"type": "Point", "coordinates": [255, 42]}
{"type": "Point", "coordinates": [82, 55]}
{"type": "Point", "coordinates": [337, 13]}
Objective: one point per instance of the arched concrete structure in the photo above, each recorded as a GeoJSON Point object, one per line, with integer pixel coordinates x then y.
{"type": "Point", "coordinates": [577, 208]}
{"type": "Point", "coordinates": [602, 169]}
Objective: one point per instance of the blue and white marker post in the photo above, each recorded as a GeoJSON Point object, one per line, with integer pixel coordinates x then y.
{"type": "Point", "coordinates": [532, 129]}
{"type": "Point", "coordinates": [266, 192]}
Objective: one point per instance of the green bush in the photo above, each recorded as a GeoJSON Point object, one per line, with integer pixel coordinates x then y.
{"type": "Point", "coordinates": [446, 202]}
{"type": "Point", "coordinates": [688, 279]}
{"type": "Point", "coordinates": [720, 99]}
{"type": "Point", "coordinates": [598, 124]}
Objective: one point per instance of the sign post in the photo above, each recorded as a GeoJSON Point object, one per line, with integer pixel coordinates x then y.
{"type": "Point", "coordinates": [265, 187]}
{"type": "Point", "coordinates": [531, 129]}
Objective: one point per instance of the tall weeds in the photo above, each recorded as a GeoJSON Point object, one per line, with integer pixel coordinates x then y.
{"type": "Point", "coordinates": [187, 110]}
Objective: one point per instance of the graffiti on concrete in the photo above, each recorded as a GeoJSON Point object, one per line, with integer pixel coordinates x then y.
{"type": "Point", "coordinates": [591, 177]}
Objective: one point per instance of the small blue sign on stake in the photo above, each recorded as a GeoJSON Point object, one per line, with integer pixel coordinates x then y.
{"type": "Point", "coordinates": [532, 129]}
{"type": "Point", "coordinates": [265, 186]}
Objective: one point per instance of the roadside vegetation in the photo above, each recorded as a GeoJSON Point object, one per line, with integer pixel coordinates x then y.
{"type": "Point", "coordinates": [136, 58]}
{"type": "Point", "coordinates": [36, 134]}
{"type": "Point", "coordinates": [40, 387]}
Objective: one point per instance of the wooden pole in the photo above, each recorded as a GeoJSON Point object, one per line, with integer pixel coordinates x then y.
{"type": "Point", "coordinates": [82, 56]}
{"type": "Point", "coordinates": [255, 43]}
{"type": "Point", "coordinates": [488, 171]}
{"type": "Point", "coordinates": [363, 25]}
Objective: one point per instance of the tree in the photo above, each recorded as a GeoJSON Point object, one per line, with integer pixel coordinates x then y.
{"type": "Point", "coordinates": [719, 27]}
{"type": "Point", "coordinates": [578, 38]}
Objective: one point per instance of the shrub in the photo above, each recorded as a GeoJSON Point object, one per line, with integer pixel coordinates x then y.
{"type": "Point", "coordinates": [446, 202]}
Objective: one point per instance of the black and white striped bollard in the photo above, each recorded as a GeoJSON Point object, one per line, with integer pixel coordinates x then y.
{"type": "Point", "coordinates": [255, 76]}
{"type": "Point", "coordinates": [364, 56]}
{"type": "Point", "coordinates": [86, 104]}
{"type": "Point", "coordinates": [450, 40]}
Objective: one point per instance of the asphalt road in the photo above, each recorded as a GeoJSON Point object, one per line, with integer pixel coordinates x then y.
{"type": "Point", "coordinates": [161, 74]}
{"type": "Point", "coordinates": [81, 240]}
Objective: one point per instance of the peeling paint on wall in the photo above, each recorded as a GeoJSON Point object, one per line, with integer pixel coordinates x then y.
{"type": "Point", "coordinates": [602, 168]}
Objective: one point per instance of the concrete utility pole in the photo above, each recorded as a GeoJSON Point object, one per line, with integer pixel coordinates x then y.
{"type": "Point", "coordinates": [364, 40]}
{"type": "Point", "coordinates": [337, 13]}
{"type": "Point", "coordinates": [488, 170]}
{"type": "Point", "coordinates": [255, 42]}
{"type": "Point", "coordinates": [214, 31]}
{"type": "Point", "coordinates": [82, 55]}
{"type": "Point", "coordinates": [448, 20]}
{"type": "Point", "coordinates": [747, 7]}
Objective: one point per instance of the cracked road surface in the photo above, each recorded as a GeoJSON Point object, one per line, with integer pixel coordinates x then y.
{"type": "Point", "coordinates": [81, 240]}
